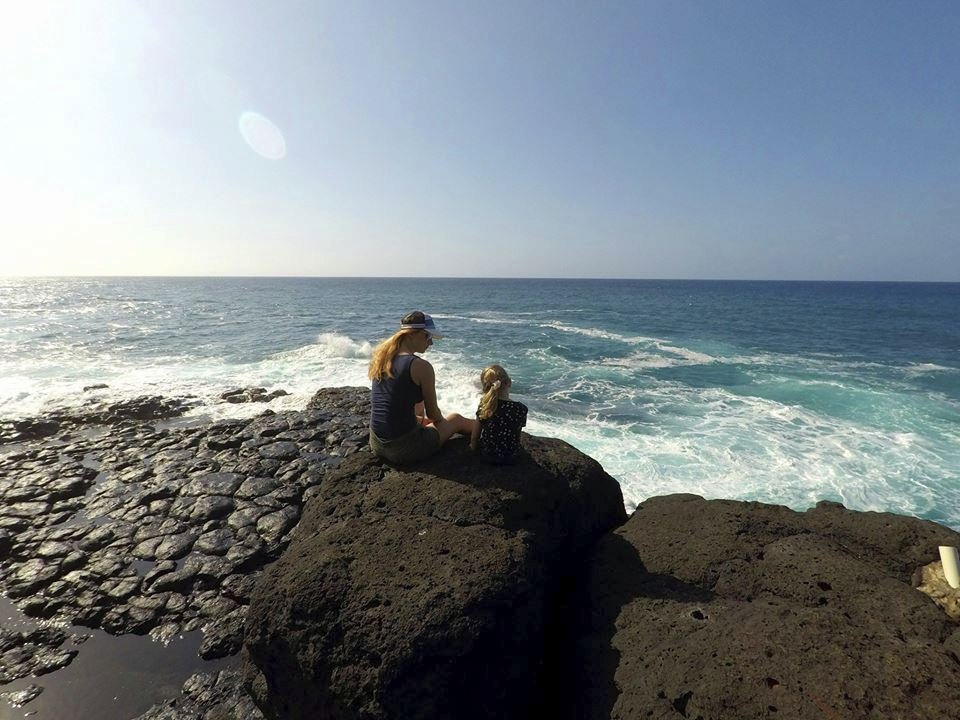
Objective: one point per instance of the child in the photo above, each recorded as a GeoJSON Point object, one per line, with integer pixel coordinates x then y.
{"type": "Point", "coordinates": [499, 419]}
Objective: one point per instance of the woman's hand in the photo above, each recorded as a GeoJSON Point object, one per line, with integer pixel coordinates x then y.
{"type": "Point", "coordinates": [475, 435]}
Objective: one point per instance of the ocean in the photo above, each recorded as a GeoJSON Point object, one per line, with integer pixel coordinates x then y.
{"type": "Point", "coordinates": [782, 392]}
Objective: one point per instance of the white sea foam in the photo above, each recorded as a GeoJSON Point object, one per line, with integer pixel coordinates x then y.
{"type": "Point", "coordinates": [668, 437]}
{"type": "Point", "coordinates": [488, 319]}
{"type": "Point", "coordinates": [688, 356]}
{"type": "Point", "coordinates": [596, 333]}
{"type": "Point", "coordinates": [458, 382]}
{"type": "Point", "coordinates": [660, 355]}
{"type": "Point", "coordinates": [752, 448]}
{"type": "Point", "coordinates": [924, 368]}
{"type": "Point", "coordinates": [334, 360]}
{"type": "Point", "coordinates": [657, 352]}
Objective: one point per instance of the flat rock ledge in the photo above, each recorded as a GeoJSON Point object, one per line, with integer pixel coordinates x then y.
{"type": "Point", "coordinates": [429, 592]}
{"type": "Point", "coordinates": [95, 412]}
{"type": "Point", "coordinates": [713, 610]}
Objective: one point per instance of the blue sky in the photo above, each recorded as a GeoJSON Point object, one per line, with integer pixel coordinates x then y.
{"type": "Point", "coordinates": [766, 140]}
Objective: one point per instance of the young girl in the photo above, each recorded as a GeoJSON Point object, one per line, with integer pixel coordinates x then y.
{"type": "Point", "coordinates": [499, 419]}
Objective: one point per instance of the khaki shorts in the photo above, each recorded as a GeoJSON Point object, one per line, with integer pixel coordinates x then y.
{"type": "Point", "coordinates": [419, 443]}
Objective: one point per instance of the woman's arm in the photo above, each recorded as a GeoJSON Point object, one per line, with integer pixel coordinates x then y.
{"type": "Point", "coordinates": [421, 372]}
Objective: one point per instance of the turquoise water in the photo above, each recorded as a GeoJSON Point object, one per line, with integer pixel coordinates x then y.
{"type": "Point", "coordinates": [782, 392]}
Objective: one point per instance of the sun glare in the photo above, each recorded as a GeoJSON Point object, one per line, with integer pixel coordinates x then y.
{"type": "Point", "coordinates": [263, 137]}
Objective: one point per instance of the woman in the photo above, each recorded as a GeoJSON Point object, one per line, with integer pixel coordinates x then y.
{"type": "Point", "coordinates": [405, 423]}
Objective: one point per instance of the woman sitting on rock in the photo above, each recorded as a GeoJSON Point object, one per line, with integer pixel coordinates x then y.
{"type": "Point", "coordinates": [405, 423]}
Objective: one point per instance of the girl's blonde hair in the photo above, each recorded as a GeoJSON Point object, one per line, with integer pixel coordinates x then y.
{"type": "Point", "coordinates": [492, 379]}
{"type": "Point", "coordinates": [381, 364]}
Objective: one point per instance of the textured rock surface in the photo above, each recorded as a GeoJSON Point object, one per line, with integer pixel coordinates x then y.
{"type": "Point", "coordinates": [425, 593]}
{"type": "Point", "coordinates": [204, 696]}
{"type": "Point", "coordinates": [931, 581]}
{"type": "Point", "coordinates": [730, 610]}
{"type": "Point", "coordinates": [145, 529]}
{"type": "Point", "coordinates": [96, 412]}
{"type": "Point", "coordinates": [252, 394]}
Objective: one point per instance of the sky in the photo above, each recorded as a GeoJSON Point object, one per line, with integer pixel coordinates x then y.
{"type": "Point", "coordinates": [677, 139]}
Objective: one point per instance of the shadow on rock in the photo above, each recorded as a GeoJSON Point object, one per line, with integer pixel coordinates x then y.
{"type": "Point", "coordinates": [615, 577]}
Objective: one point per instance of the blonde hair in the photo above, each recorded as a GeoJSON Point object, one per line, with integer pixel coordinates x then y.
{"type": "Point", "coordinates": [492, 379]}
{"type": "Point", "coordinates": [381, 364]}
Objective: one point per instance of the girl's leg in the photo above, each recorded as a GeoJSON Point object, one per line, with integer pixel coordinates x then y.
{"type": "Point", "coordinates": [453, 424]}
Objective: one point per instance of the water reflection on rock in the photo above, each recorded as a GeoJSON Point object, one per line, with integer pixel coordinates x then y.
{"type": "Point", "coordinates": [157, 531]}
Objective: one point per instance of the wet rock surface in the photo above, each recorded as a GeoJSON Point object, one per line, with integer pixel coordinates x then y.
{"type": "Point", "coordinates": [204, 696]}
{"type": "Point", "coordinates": [429, 591]}
{"type": "Point", "coordinates": [36, 652]}
{"type": "Point", "coordinates": [157, 531]}
{"type": "Point", "coordinates": [19, 698]}
{"type": "Point", "coordinates": [252, 394]}
{"type": "Point", "coordinates": [732, 610]}
{"type": "Point", "coordinates": [96, 412]}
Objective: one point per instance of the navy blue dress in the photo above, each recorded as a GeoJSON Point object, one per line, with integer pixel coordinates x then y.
{"type": "Point", "coordinates": [500, 433]}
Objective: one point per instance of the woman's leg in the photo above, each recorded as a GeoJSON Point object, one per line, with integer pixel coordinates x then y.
{"type": "Point", "coordinates": [453, 424]}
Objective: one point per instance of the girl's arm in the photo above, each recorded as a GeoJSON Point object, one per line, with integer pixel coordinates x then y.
{"type": "Point", "coordinates": [422, 374]}
{"type": "Point", "coordinates": [475, 434]}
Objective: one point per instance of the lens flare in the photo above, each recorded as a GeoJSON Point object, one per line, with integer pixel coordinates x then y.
{"type": "Point", "coordinates": [263, 137]}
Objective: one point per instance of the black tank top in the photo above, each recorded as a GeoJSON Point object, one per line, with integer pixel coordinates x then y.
{"type": "Point", "coordinates": [392, 401]}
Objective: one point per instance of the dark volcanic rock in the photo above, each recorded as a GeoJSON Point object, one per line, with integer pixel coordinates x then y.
{"type": "Point", "coordinates": [214, 484]}
{"type": "Point", "coordinates": [280, 451]}
{"type": "Point", "coordinates": [22, 697]}
{"type": "Point", "coordinates": [208, 697]}
{"type": "Point", "coordinates": [94, 413]}
{"type": "Point", "coordinates": [223, 636]}
{"type": "Point", "coordinates": [138, 528]}
{"type": "Point", "coordinates": [28, 429]}
{"type": "Point", "coordinates": [733, 610]}
{"type": "Point", "coordinates": [425, 593]}
{"type": "Point", "coordinates": [142, 408]}
{"type": "Point", "coordinates": [33, 652]}
{"type": "Point", "coordinates": [349, 399]}
{"type": "Point", "coordinates": [251, 394]}
{"type": "Point", "coordinates": [5, 544]}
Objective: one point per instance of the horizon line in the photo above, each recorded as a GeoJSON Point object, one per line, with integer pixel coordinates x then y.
{"type": "Point", "coordinates": [464, 277]}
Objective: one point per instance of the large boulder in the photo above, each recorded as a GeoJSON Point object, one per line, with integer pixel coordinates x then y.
{"type": "Point", "coordinates": [426, 592]}
{"type": "Point", "coordinates": [732, 610]}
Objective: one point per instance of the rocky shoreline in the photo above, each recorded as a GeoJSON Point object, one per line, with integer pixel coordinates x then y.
{"type": "Point", "coordinates": [135, 529]}
{"type": "Point", "coordinates": [344, 588]}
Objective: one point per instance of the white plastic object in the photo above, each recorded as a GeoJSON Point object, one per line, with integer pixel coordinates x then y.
{"type": "Point", "coordinates": [951, 564]}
